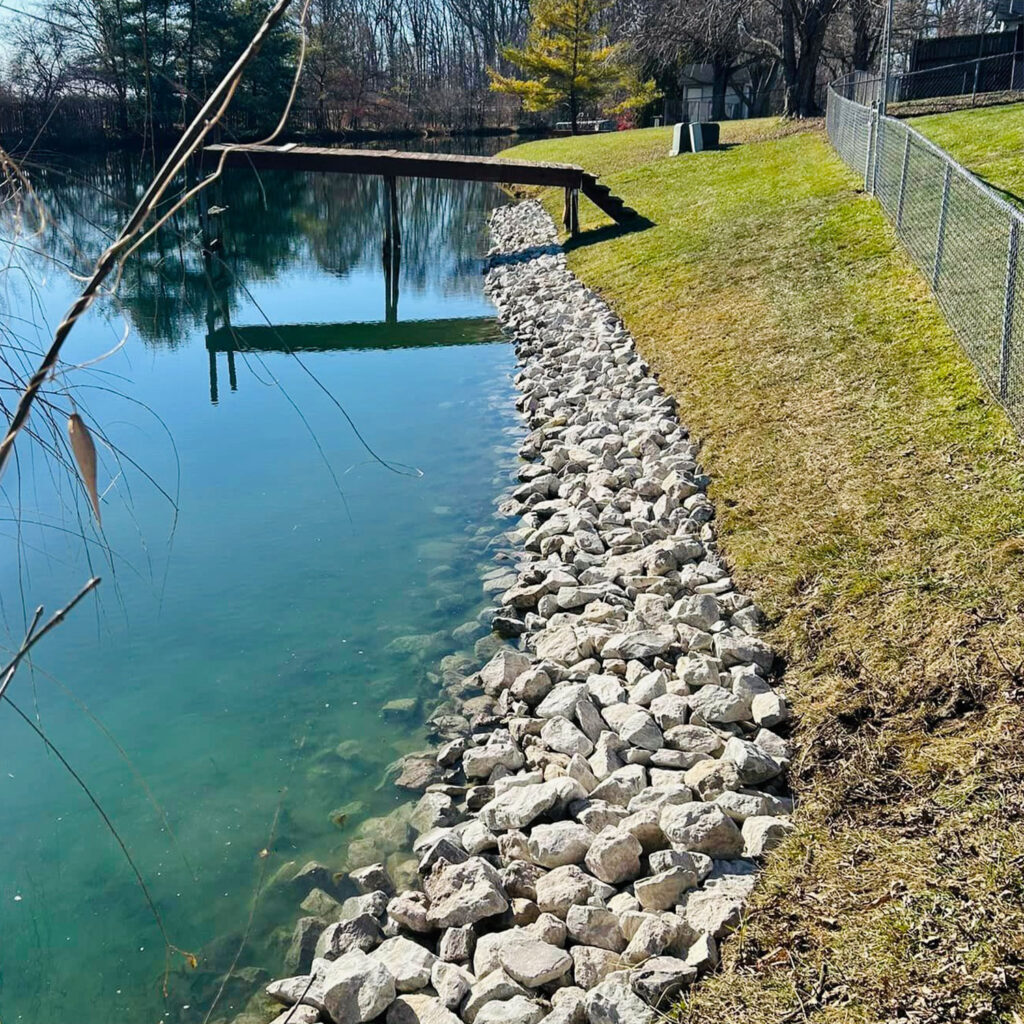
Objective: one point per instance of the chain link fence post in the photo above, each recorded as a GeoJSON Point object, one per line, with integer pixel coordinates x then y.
{"type": "Point", "coordinates": [870, 153]}
{"type": "Point", "coordinates": [903, 183]}
{"type": "Point", "coordinates": [1009, 304]}
{"type": "Point", "coordinates": [940, 236]}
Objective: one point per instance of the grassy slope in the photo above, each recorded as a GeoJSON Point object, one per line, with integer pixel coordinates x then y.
{"type": "Point", "coordinates": [869, 495]}
{"type": "Point", "coordinates": [988, 141]}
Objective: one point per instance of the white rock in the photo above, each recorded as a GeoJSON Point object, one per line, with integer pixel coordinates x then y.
{"type": "Point", "coordinates": [614, 855]}
{"type": "Point", "coordinates": [769, 709]}
{"type": "Point", "coordinates": [561, 645]}
{"type": "Point", "coordinates": [701, 828]}
{"type": "Point", "coordinates": [356, 988]}
{"type": "Point", "coordinates": [595, 926]}
{"type": "Point", "coordinates": [612, 1002]}
{"type": "Point", "coordinates": [494, 986]}
{"type": "Point", "coordinates": [533, 963]}
{"type": "Point", "coordinates": [562, 736]}
{"type": "Point", "coordinates": [753, 764]}
{"type": "Point", "coordinates": [517, 1010]}
{"type": "Point", "coordinates": [660, 980]}
{"type": "Point", "coordinates": [717, 704]}
{"type": "Point", "coordinates": [762, 833]}
{"type": "Point", "coordinates": [665, 889]}
{"type": "Point", "coordinates": [562, 700]}
{"type": "Point", "coordinates": [464, 893]}
{"type": "Point", "coordinates": [740, 806]}
{"type": "Point", "coordinates": [419, 1009]}
{"type": "Point", "coordinates": [409, 963]}
{"type": "Point", "coordinates": [670, 710]}
{"type": "Point", "coordinates": [621, 786]}
{"type": "Point", "coordinates": [562, 842]}
{"type": "Point", "coordinates": [451, 982]}
{"type": "Point", "coordinates": [502, 669]}
{"type": "Point", "coordinates": [518, 807]}
{"type": "Point", "coordinates": [592, 964]}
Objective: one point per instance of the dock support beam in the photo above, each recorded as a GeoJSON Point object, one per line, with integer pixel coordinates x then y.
{"type": "Point", "coordinates": [571, 211]}
{"type": "Point", "coordinates": [392, 250]}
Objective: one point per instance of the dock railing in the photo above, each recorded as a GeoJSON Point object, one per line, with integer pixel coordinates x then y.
{"type": "Point", "coordinates": [964, 235]}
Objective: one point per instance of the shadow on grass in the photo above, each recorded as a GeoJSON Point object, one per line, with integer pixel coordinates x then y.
{"type": "Point", "coordinates": [595, 235]}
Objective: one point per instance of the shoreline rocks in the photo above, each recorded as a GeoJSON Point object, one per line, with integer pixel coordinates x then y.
{"type": "Point", "coordinates": [605, 785]}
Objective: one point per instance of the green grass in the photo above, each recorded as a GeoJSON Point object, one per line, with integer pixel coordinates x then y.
{"type": "Point", "coordinates": [869, 495]}
{"type": "Point", "coordinates": [988, 141]}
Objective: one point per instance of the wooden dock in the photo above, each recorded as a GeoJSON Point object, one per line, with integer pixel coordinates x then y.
{"type": "Point", "coordinates": [391, 164]}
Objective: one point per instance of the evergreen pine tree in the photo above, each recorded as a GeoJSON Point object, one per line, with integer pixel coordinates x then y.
{"type": "Point", "coordinates": [564, 59]}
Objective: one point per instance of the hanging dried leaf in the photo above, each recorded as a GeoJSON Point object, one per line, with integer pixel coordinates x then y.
{"type": "Point", "coordinates": [85, 455]}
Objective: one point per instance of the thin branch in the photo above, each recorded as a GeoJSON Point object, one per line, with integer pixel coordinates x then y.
{"type": "Point", "coordinates": [33, 636]}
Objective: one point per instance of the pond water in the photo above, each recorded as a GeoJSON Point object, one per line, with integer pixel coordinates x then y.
{"type": "Point", "coordinates": [277, 524]}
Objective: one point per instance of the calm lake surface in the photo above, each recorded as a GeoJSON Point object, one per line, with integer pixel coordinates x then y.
{"type": "Point", "coordinates": [262, 570]}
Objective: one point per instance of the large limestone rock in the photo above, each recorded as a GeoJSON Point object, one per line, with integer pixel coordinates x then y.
{"type": "Point", "coordinates": [533, 963]}
{"type": "Point", "coordinates": [361, 932]}
{"type": "Point", "coordinates": [660, 980]}
{"type": "Point", "coordinates": [701, 828]}
{"type": "Point", "coordinates": [494, 986]}
{"type": "Point", "coordinates": [595, 926]}
{"type": "Point", "coordinates": [517, 1010]}
{"type": "Point", "coordinates": [409, 963]}
{"type": "Point", "coordinates": [562, 736]}
{"type": "Point", "coordinates": [419, 1009]}
{"type": "Point", "coordinates": [355, 988]}
{"type": "Point", "coordinates": [517, 807]}
{"type": "Point", "coordinates": [558, 890]}
{"type": "Point", "coordinates": [500, 672]}
{"type": "Point", "coordinates": [592, 964]}
{"type": "Point", "coordinates": [479, 762]}
{"type": "Point", "coordinates": [464, 893]}
{"type": "Point", "coordinates": [665, 889]}
{"type": "Point", "coordinates": [614, 855]}
{"type": "Point", "coordinates": [613, 1002]}
{"type": "Point", "coordinates": [560, 843]}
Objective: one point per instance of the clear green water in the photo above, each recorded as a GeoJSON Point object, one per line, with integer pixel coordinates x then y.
{"type": "Point", "coordinates": [239, 639]}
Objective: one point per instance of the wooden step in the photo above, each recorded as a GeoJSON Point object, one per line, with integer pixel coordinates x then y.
{"type": "Point", "coordinates": [601, 196]}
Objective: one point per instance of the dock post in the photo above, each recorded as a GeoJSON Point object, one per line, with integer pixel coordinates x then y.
{"type": "Point", "coordinates": [571, 211]}
{"type": "Point", "coordinates": [213, 376]}
{"type": "Point", "coordinates": [392, 249]}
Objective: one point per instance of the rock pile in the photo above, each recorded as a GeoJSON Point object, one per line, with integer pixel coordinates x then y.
{"type": "Point", "coordinates": [595, 827]}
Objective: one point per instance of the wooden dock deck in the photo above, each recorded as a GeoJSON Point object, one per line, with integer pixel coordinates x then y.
{"type": "Point", "coordinates": [391, 164]}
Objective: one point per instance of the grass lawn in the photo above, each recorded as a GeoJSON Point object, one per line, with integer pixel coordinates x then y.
{"type": "Point", "coordinates": [988, 141]}
{"type": "Point", "coordinates": [869, 495]}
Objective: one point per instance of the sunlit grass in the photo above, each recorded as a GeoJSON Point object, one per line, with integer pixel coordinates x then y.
{"type": "Point", "coordinates": [988, 141]}
{"type": "Point", "coordinates": [869, 494]}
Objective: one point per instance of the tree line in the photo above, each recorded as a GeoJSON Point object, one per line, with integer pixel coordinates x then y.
{"type": "Point", "coordinates": [139, 68]}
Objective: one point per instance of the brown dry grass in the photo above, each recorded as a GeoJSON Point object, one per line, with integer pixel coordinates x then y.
{"type": "Point", "coordinates": [870, 496]}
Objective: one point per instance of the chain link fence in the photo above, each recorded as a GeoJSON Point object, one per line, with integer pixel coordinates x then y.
{"type": "Point", "coordinates": [964, 236]}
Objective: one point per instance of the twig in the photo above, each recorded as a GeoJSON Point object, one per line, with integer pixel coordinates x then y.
{"type": "Point", "coordinates": [33, 636]}
{"type": "Point", "coordinates": [252, 915]}
{"type": "Point", "coordinates": [190, 957]}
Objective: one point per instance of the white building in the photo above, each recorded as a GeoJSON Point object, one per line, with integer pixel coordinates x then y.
{"type": "Point", "coordinates": [697, 94]}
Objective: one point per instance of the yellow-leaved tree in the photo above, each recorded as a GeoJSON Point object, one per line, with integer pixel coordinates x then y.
{"type": "Point", "coordinates": [566, 60]}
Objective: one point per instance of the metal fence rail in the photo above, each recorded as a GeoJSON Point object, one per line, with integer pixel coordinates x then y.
{"type": "Point", "coordinates": [965, 237]}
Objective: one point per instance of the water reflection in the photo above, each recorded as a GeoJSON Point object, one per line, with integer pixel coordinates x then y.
{"type": "Point", "coordinates": [249, 225]}
{"type": "Point", "coordinates": [245, 666]}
